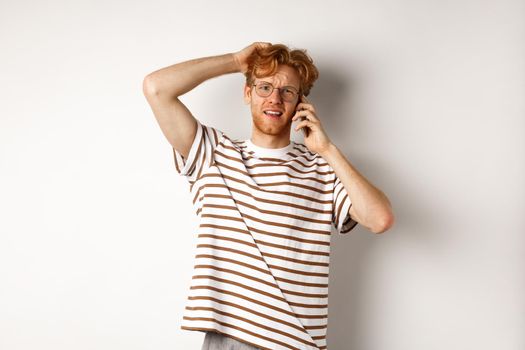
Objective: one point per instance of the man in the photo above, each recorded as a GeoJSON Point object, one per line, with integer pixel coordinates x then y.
{"type": "Point", "coordinates": [265, 204]}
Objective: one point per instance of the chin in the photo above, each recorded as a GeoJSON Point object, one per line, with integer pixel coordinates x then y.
{"type": "Point", "coordinates": [269, 129]}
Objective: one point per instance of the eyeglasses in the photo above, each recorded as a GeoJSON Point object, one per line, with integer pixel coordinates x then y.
{"type": "Point", "coordinates": [265, 89]}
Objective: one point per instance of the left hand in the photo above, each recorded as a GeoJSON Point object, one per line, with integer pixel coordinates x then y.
{"type": "Point", "coordinates": [315, 137]}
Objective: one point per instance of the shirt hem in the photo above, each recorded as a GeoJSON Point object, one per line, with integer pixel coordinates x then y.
{"type": "Point", "coordinates": [203, 329]}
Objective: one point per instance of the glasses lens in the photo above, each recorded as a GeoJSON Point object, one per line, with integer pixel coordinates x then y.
{"type": "Point", "coordinates": [264, 89]}
{"type": "Point", "coordinates": [288, 94]}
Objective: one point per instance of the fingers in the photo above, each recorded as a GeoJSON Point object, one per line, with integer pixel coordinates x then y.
{"type": "Point", "coordinates": [258, 45]}
{"type": "Point", "coordinates": [242, 56]}
{"type": "Point", "coordinates": [302, 124]}
{"type": "Point", "coordinates": [306, 113]}
{"type": "Point", "coordinates": [262, 44]}
{"type": "Point", "coordinates": [254, 46]}
{"type": "Point", "coordinates": [305, 106]}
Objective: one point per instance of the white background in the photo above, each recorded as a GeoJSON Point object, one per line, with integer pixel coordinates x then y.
{"type": "Point", "coordinates": [426, 99]}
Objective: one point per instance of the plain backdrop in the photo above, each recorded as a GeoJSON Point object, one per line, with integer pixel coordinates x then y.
{"type": "Point", "coordinates": [425, 98]}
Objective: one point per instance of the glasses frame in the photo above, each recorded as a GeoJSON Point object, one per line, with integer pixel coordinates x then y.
{"type": "Point", "coordinates": [297, 92]}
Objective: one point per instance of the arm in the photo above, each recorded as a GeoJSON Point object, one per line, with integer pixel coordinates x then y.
{"type": "Point", "coordinates": [163, 87]}
{"type": "Point", "coordinates": [370, 207]}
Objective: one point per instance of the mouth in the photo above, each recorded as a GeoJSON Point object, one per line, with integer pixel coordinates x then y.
{"type": "Point", "coordinates": [273, 114]}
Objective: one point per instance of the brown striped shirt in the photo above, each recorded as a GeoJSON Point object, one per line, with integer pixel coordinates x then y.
{"type": "Point", "coordinates": [263, 246]}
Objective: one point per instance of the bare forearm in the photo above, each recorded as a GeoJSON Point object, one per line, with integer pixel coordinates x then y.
{"type": "Point", "coordinates": [370, 206]}
{"type": "Point", "coordinates": [177, 79]}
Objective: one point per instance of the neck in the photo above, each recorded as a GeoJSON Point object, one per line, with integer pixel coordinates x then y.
{"type": "Point", "coordinates": [270, 141]}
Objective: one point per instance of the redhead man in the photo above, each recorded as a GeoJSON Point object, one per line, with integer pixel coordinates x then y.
{"type": "Point", "coordinates": [266, 205]}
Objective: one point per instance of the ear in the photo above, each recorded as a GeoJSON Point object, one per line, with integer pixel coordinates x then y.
{"type": "Point", "coordinates": [247, 94]}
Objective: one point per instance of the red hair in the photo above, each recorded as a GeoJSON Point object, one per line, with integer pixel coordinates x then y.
{"type": "Point", "coordinates": [264, 62]}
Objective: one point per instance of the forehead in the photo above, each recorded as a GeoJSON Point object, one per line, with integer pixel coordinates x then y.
{"type": "Point", "coordinates": [284, 76]}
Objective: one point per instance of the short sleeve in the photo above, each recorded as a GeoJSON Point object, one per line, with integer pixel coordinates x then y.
{"type": "Point", "coordinates": [201, 152]}
{"type": "Point", "coordinates": [341, 218]}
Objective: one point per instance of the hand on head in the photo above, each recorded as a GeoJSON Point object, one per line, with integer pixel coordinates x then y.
{"type": "Point", "coordinates": [241, 56]}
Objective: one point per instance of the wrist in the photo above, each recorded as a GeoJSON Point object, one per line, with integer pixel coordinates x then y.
{"type": "Point", "coordinates": [328, 150]}
{"type": "Point", "coordinates": [237, 62]}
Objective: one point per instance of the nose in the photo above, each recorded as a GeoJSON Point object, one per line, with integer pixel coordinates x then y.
{"type": "Point", "coordinates": [275, 96]}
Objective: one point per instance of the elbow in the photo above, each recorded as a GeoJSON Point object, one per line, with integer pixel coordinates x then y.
{"type": "Point", "coordinates": [384, 222]}
{"type": "Point", "coordinates": [154, 88]}
{"type": "Point", "coordinates": [148, 87]}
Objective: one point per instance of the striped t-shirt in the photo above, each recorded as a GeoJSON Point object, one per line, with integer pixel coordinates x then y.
{"type": "Point", "coordinates": [263, 246]}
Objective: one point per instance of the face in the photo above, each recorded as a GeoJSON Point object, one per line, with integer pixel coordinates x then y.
{"type": "Point", "coordinates": [261, 107]}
